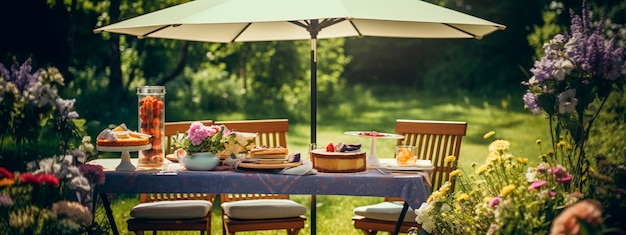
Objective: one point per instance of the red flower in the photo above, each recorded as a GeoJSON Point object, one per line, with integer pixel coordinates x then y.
{"type": "Point", "coordinates": [29, 178]}
{"type": "Point", "coordinates": [4, 173]}
{"type": "Point", "coordinates": [48, 179]}
{"type": "Point", "coordinates": [39, 179]}
{"type": "Point", "coordinates": [95, 173]}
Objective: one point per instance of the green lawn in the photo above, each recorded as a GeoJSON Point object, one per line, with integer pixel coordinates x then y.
{"type": "Point", "coordinates": [334, 212]}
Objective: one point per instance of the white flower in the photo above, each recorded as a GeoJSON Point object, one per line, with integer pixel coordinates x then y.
{"type": "Point", "coordinates": [567, 101]}
{"type": "Point", "coordinates": [530, 174]}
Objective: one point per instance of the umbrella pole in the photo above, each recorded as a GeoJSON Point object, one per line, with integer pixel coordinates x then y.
{"type": "Point", "coordinates": [313, 90]}
{"type": "Point", "coordinates": [313, 120]}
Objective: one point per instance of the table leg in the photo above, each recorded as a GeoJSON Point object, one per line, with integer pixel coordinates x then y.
{"type": "Point", "coordinates": [109, 213]}
{"type": "Point", "coordinates": [405, 208]}
{"type": "Point", "coordinates": [313, 213]}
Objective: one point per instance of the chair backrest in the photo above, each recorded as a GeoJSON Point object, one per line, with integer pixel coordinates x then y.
{"type": "Point", "coordinates": [435, 140]}
{"type": "Point", "coordinates": [251, 196]}
{"type": "Point", "coordinates": [270, 132]}
{"type": "Point", "coordinates": [173, 128]}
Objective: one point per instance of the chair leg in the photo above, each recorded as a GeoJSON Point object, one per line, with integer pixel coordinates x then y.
{"type": "Point", "coordinates": [294, 231]}
{"type": "Point", "coordinates": [369, 232]}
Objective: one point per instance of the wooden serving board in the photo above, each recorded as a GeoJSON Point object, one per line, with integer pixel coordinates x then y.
{"type": "Point", "coordinates": [269, 166]}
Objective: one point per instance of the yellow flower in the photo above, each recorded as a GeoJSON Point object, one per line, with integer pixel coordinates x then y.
{"type": "Point", "coordinates": [450, 158]}
{"type": "Point", "coordinates": [522, 160]}
{"type": "Point", "coordinates": [434, 197]}
{"type": "Point", "coordinates": [445, 188]}
{"type": "Point", "coordinates": [489, 134]}
{"type": "Point", "coordinates": [462, 196]}
{"type": "Point", "coordinates": [550, 153]}
{"type": "Point", "coordinates": [455, 173]}
{"type": "Point", "coordinates": [499, 145]}
{"type": "Point", "coordinates": [538, 141]}
{"type": "Point", "coordinates": [507, 189]}
{"type": "Point", "coordinates": [482, 169]}
{"type": "Point", "coordinates": [561, 144]}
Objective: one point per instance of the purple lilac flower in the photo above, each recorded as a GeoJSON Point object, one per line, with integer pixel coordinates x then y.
{"type": "Point", "coordinates": [543, 69]}
{"type": "Point", "coordinates": [65, 108]}
{"type": "Point", "coordinates": [495, 201]}
{"type": "Point", "coordinates": [532, 103]}
{"type": "Point", "coordinates": [537, 184]}
{"type": "Point", "coordinates": [552, 193]}
{"type": "Point", "coordinates": [20, 75]}
{"type": "Point", "coordinates": [588, 48]}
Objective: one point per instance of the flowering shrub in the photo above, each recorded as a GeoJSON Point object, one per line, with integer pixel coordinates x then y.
{"type": "Point", "coordinates": [505, 195]}
{"type": "Point", "coordinates": [30, 110]}
{"type": "Point", "coordinates": [214, 139]}
{"type": "Point", "coordinates": [53, 197]}
{"type": "Point", "coordinates": [571, 84]}
{"type": "Point", "coordinates": [43, 195]}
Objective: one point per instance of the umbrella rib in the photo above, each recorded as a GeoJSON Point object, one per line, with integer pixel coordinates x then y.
{"type": "Point", "coordinates": [240, 32]}
{"type": "Point", "coordinates": [315, 28]}
{"type": "Point", "coordinates": [356, 29]}
{"type": "Point", "coordinates": [156, 30]}
{"type": "Point", "coordinates": [463, 31]}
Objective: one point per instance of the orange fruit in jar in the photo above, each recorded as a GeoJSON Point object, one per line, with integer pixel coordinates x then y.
{"type": "Point", "coordinates": [404, 155]}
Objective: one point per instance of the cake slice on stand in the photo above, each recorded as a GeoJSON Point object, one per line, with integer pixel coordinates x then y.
{"type": "Point", "coordinates": [121, 139]}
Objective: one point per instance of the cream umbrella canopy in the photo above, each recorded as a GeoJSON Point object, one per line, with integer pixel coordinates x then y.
{"type": "Point", "coordinates": [228, 21]}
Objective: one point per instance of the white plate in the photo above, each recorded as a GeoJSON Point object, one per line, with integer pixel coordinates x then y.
{"type": "Point", "coordinates": [390, 164]}
{"type": "Point", "coordinates": [382, 135]}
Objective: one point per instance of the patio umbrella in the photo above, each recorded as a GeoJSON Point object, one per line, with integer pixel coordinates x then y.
{"type": "Point", "coordinates": [228, 21]}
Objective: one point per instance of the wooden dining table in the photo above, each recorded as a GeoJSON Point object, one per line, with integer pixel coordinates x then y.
{"type": "Point", "coordinates": [372, 182]}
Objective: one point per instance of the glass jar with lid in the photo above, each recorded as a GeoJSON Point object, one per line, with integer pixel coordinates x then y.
{"type": "Point", "coordinates": [151, 113]}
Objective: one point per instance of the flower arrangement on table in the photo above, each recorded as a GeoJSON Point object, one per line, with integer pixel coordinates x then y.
{"type": "Point", "coordinates": [54, 196]}
{"type": "Point", "coordinates": [216, 139]}
{"type": "Point", "coordinates": [505, 195]}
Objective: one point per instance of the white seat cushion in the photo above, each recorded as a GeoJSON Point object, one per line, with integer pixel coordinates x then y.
{"type": "Point", "coordinates": [388, 211]}
{"type": "Point", "coordinates": [263, 209]}
{"type": "Point", "coordinates": [179, 209]}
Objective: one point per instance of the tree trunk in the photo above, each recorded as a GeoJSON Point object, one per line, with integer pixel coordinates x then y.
{"type": "Point", "coordinates": [115, 64]}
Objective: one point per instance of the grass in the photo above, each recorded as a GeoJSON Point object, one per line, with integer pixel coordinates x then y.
{"type": "Point", "coordinates": [334, 212]}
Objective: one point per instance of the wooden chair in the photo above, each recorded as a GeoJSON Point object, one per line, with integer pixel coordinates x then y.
{"type": "Point", "coordinates": [253, 212]}
{"type": "Point", "coordinates": [435, 140]}
{"type": "Point", "coordinates": [270, 132]}
{"type": "Point", "coordinates": [172, 211]}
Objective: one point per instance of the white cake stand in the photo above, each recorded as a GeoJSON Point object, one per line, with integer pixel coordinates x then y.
{"type": "Point", "coordinates": [125, 164]}
{"type": "Point", "coordinates": [372, 159]}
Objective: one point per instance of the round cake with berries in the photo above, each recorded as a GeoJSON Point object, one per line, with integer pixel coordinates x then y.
{"type": "Point", "coordinates": [341, 158]}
